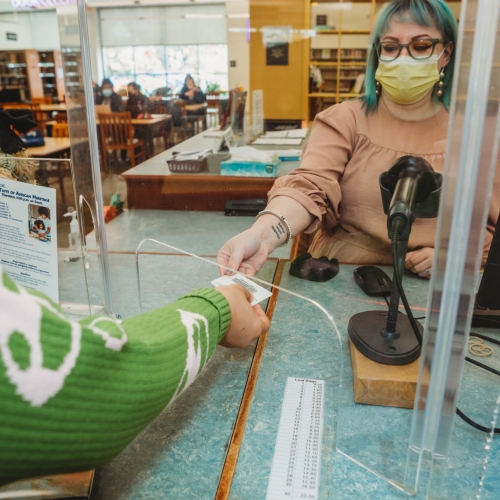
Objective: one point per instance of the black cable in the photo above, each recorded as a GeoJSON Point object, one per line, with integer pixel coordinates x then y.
{"type": "Point", "coordinates": [491, 320]}
{"type": "Point", "coordinates": [397, 226]}
{"type": "Point", "coordinates": [484, 367]}
{"type": "Point", "coordinates": [396, 229]}
{"type": "Point", "coordinates": [477, 426]}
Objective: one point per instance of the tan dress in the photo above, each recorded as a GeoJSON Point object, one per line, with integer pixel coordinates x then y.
{"type": "Point", "coordinates": [338, 180]}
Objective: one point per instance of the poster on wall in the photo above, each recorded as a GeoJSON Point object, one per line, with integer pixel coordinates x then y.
{"type": "Point", "coordinates": [28, 236]}
{"type": "Point", "coordinates": [277, 55]}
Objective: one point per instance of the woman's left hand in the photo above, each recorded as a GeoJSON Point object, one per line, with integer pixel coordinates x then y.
{"type": "Point", "coordinates": [420, 262]}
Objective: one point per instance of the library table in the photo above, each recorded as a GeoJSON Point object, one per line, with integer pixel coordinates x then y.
{"type": "Point", "coordinates": [54, 147]}
{"type": "Point", "coordinates": [48, 108]}
{"type": "Point", "coordinates": [151, 185]}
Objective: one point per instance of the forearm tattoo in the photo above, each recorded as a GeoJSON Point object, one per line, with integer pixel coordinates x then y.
{"type": "Point", "coordinates": [279, 230]}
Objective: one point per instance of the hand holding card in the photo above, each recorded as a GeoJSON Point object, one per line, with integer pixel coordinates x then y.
{"type": "Point", "coordinates": [247, 322]}
{"type": "Point", "coordinates": [259, 293]}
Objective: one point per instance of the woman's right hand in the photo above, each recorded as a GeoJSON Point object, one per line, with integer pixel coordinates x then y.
{"type": "Point", "coordinates": [246, 252]}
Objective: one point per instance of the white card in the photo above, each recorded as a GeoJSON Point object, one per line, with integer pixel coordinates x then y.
{"type": "Point", "coordinates": [259, 293]}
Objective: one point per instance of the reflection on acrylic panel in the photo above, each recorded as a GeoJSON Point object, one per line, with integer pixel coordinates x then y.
{"type": "Point", "coordinates": [213, 58]}
{"type": "Point", "coordinates": [175, 81]}
{"type": "Point", "coordinates": [150, 59]}
{"type": "Point", "coordinates": [157, 66]}
{"type": "Point", "coordinates": [182, 59]}
{"type": "Point", "coordinates": [120, 82]}
{"type": "Point", "coordinates": [118, 61]}
{"type": "Point", "coordinates": [213, 81]}
{"type": "Point", "coordinates": [149, 83]}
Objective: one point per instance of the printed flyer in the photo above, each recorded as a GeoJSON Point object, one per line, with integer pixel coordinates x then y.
{"type": "Point", "coordinates": [28, 236]}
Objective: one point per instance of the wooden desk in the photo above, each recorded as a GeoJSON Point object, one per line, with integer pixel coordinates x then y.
{"type": "Point", "coordinates": [54, 148]}
{"type": "Point", "coordinates": [150, 185]}
{"type": "Point", "coordinates": [150, 128]}
{"type": "Point", "coordinates": [193, 108]}
{"type": "Point", "coordinates": [150, 125]}
{"type": "Point", "coordinates": [47, 108]}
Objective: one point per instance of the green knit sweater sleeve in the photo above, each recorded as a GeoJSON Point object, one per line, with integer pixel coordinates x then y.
{"type": "Point", "coordinates": [73, 395]}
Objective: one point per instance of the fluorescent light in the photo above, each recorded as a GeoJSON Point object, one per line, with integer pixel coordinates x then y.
{"type": "Point", "coordinates": [238, 16]}
{"type": "Point", "coordinates": [204, 16]}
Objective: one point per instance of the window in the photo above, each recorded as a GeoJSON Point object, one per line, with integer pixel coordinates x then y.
{"type": "Point", "coordinates": [156, 66]}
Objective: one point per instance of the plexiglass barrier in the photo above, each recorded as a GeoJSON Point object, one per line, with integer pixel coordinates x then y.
{"type": "Point", "coordinates": [164, 273]}
{"type": "Point", "coordinates": [425, 450]}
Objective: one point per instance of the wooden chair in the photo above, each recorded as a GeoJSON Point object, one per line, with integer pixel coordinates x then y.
{"type": "Point", "coordinates": [41, 100]}
{"type": "Point", "coordinates": [60, 129]}
{"type": "Point", "coordinates": [213, 108]}
{"type": "Point", "coordinates": [117, 134]}
{"type": "Point", "coordinates": [161, 108]}
{"type": "Point", "coordinates": [61, 117]}
{"type": "Point", "coordinates": [181, 104]}
{"type": "Point", "coordinates": [40, 117]}
{"type": "Point", "coordinates": [191, 124]}
{"type": "Point", "coordinates": [60, 170]}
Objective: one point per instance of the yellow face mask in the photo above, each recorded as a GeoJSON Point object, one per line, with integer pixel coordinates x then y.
{"type": "Point", "coordinates": [406, 80]}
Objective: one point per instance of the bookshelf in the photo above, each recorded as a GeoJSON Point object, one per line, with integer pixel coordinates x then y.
{"type": "Point", "coordinates": [19, 72]}
{"type": "Point", "coordinates": [72, 62]}
{"type": "Point", "coordinates": [338, 51]}
{"type": "Point", "coordinates": [51, 73]}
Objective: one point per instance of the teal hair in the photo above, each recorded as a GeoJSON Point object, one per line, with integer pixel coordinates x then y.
{"type": "Point", "coordinates": [425, 13]}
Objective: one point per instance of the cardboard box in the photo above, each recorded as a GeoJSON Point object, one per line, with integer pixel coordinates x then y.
{"type": "Point", "coordinates": [383, 385]}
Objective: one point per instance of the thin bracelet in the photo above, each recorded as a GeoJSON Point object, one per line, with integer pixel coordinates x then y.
{"type": "Point", "coordinates": [282, 219]}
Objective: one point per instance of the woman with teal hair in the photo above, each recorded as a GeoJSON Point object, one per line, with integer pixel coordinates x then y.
{"type": "Point", "coordinates": [335, 192]}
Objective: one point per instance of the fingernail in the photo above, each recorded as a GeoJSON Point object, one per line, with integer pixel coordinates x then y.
{"type": "Point", "coordinates": [228, 272]}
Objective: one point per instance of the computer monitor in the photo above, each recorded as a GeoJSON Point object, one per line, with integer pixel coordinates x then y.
{"type": "Point", "coordinates": [10, 95]}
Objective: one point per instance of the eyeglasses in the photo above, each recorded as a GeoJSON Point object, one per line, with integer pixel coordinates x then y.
{"type": "Point", "coordinates": [422, 48]}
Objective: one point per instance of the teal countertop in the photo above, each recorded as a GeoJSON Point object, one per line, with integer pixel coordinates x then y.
{"type": "Point", "coordinates": [302, 343]}
{"type": "Point", "coordinates": [182, 453]}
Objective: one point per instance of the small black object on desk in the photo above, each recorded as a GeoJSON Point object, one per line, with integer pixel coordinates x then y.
{"type": "Point", "coordinates": [250, 207]}
{"type": "Point", "coordinates": [410, 189]}
{"type": "Point", "coordinates": [306, 267]}
{"type": "Point", "coordinates": [373, 281]}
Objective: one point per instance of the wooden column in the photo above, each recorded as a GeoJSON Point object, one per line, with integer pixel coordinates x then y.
{"type": "Point", "coordinates": [285, 87]}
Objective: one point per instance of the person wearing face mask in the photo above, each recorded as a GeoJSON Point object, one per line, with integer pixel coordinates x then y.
{"type": "Point", "coordinates": [335, 191]}
{"type": "Point", "coordinates": [107, 95]}
{"type": "Point", "coordinates": [138, 104]}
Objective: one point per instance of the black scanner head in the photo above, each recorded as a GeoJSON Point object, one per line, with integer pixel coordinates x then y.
{"type": "Point", "coordinates": [373, 281]}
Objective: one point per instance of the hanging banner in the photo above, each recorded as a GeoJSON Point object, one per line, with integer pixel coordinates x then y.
{"type": "Point", "coordinates": [28, 236]}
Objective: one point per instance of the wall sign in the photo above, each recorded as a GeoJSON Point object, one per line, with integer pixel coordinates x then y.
{"type": "Point", "coordinates": [277, 55]}
{"type": "Point", "coordinates": [11, 36]}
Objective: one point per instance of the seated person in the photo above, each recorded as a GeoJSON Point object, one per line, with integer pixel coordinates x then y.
{"type": "Point", "coordinates": [107, 95]}
{"type": "Point", "coordinates": [89, 388]}
{"type": "Point", "coordinates": [191, 93]}
{"type": "Point", "coordinates": [138, 104]}
{"type": "Point", "coordinates": [335, 192]}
